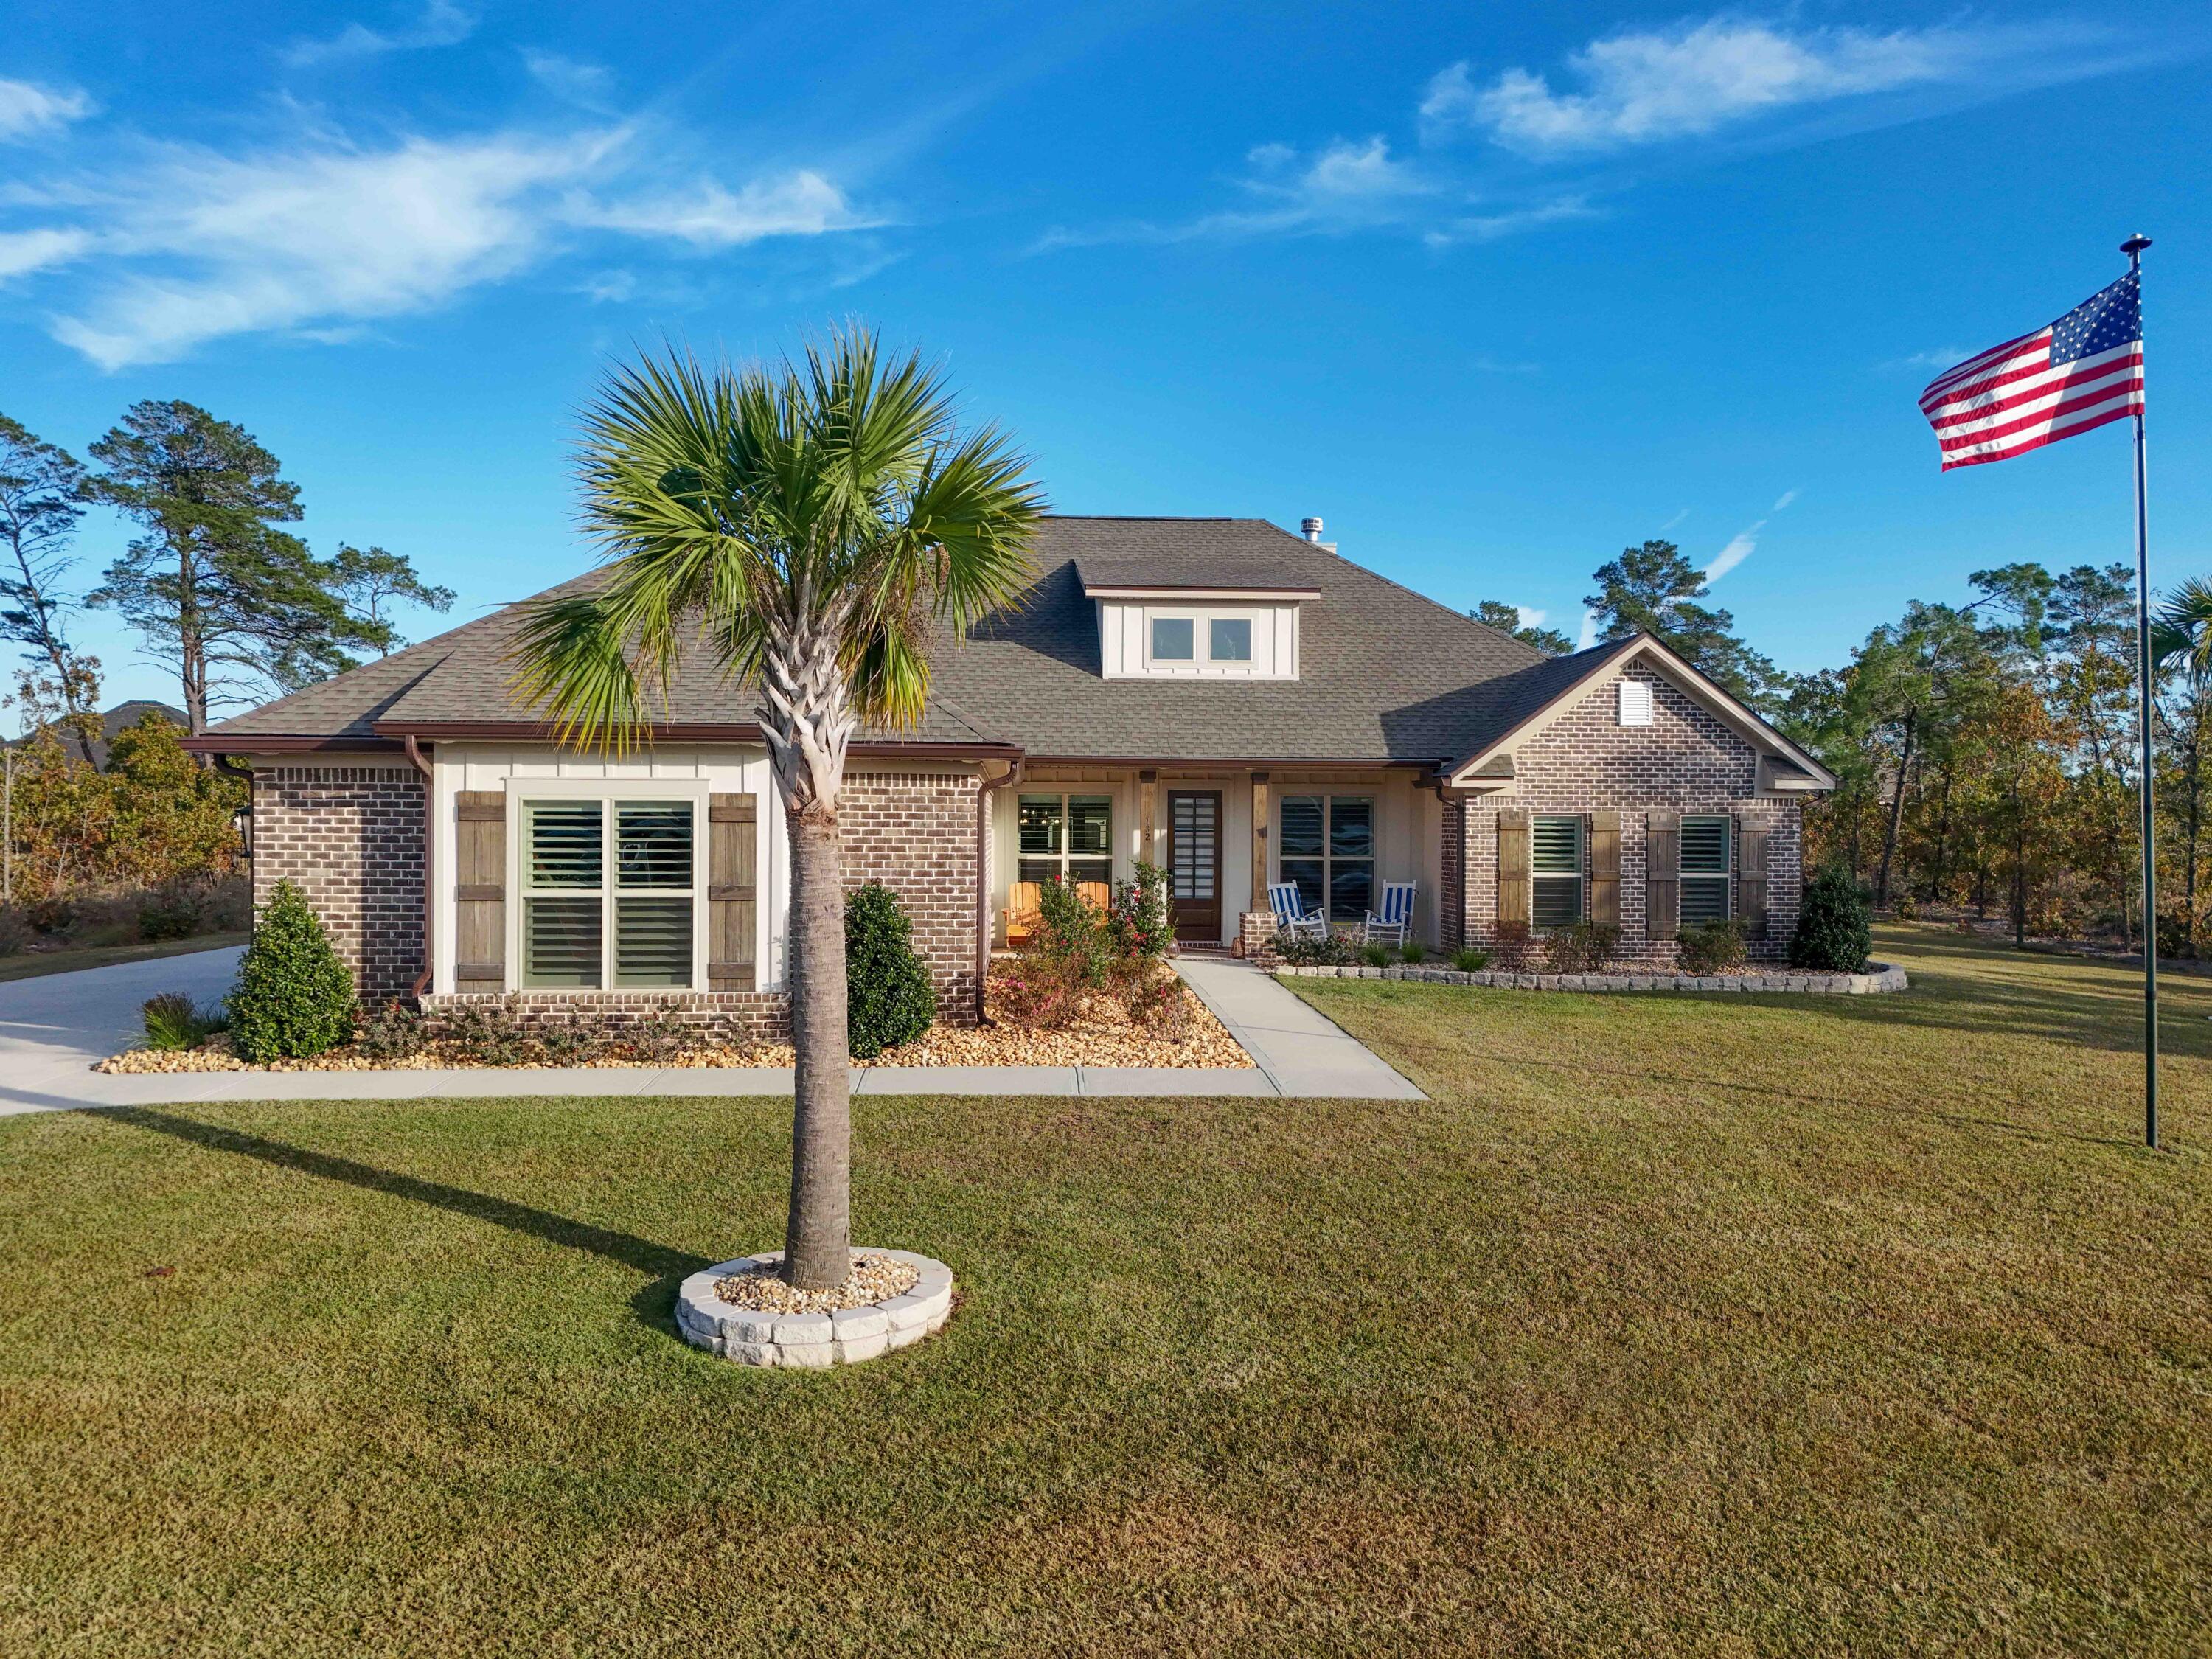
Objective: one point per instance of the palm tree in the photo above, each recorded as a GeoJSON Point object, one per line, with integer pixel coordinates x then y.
{"type": "Point", "coordinates": [801, 525]}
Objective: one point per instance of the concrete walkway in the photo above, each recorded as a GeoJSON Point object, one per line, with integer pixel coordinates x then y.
{"type": "Point", "coordinates": [53, 1028]}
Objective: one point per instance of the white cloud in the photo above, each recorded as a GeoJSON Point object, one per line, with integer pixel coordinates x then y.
{"type": "Point", "coordinates": [23, 252]}
{"type": "Point", "coordinates": [1530, 616]}
{"type": "Point", "coordinates": [1676, 520]}
{"type": "Point", "coordinates": [708, 215]}
{"type": "Point", "coordinates": [1644, 86]}
{"type": "Point", "coordinates": [1741, 546]}
{"type": "Point", "coordinates": [584, 84]}
{"type": "Point", "coordinates": [27, 107]}
{"type": "Point", "coordinates": [442, 24]}
{"type": "Point", "coordinates": [1785, 498]}
{"type": "Point", "coordinates": [190, 244]}
{"type": "Point", "coordinates": [1587, 637]}
{"type": "Point", "coordinates": [1489, 227]}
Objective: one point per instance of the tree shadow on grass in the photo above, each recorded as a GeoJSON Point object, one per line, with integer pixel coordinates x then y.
{"type": "Point", "coordinates": [667, 1267]}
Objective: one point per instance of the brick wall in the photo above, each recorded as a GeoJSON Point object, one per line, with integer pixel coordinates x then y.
{"type": "Point", "coordinates": [350, 839]}
{"type": "Point", "coordinates": [915, 833]}
{"type": "Point", "coordinates": [1685, 760]}
{"type": "Point", "coordinates": [759, 1016]}
{"type": "Point", "coordinates": [1452, 914]}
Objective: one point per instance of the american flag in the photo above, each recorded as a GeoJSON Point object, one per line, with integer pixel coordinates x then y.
{"type": "Point", "coordinates": [2085, 370]}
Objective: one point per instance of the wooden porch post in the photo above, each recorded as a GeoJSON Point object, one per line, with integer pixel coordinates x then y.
{"type": "Point", "coordinates": [1258, 841]}
{"type": "Point", "coordinates": [1148, 816]}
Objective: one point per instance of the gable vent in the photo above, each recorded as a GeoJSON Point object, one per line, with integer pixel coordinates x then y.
{"type": "Point", "coordinates": [1636, 702]}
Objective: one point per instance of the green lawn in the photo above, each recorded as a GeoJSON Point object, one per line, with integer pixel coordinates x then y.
{"type": "Point", "coordinates": [1717, 1325]}
{"type": "Point", "coordinates": [30, 965]}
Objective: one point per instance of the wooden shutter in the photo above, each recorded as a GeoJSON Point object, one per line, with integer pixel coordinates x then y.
{"type": "Point", "coordinates": [1662, 875]}
{"type": "Point", "coordinates": [1751, 872]}
{"type": "Point", "coordinates": [1605, 868]}
{"type": "Point", "coordinates": [731, 901]}
{"type": "Point", "coordinates": [479, 888]}
{"type": "Point", "coordinates": [1513, 899]}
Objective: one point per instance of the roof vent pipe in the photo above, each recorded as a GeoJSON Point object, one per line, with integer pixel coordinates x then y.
{"type": "Point", "coordinates": [1312, 527]}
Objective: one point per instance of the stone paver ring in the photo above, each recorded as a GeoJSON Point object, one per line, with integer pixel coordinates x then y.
{"type": "Point", "coordinates": [811, 1340]}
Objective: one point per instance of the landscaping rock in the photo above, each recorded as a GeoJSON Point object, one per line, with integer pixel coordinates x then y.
{"type": "Point", "coordinates": [813, 1339]}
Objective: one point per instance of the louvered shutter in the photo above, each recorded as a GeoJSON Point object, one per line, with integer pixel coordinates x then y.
{"type": "Point", "coordinates": [1513, 902]}
{"type": "Point", "coordinates": [1662, 868]}
{"type": "Point", "coordinates": [731, 901]}
{"type": "Point", "coordinates": [1605, 867]}
{"type": "Point", "coordinates": [480, 888]}
{"type": "Point", "coordinates": [1751, 872]}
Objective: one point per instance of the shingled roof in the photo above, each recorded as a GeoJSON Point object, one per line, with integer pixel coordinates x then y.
{"type": "Point", "coordinates": [1385, 674]}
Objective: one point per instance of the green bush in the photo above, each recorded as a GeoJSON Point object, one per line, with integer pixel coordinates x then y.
{"type": "Point", "coordinates": [174, 1021]}
{"type": "Point", "coordinates": [1376, 956]}
{"type": "Point", "coordinates": [166, 916]}
{"type": "Point", "coordinates": [294, 998]}
{"type": "Point", "coordinates": [1072, 935]}
{"type": "Point", "coordinates": [395, 1031]}
{"type": "Point", "coordinates": [1414, 954]}
{"type": "Point", "coordinates": [1584, 948]}
{"type": "Point", "coordinates": [1467, 959]}
{"type": "Point", "coordinates": [1331, 950]}
{"type": "Point", "coordinates": [1833, 930]}
{"type": "Point", "coordinates": [1711, 947]}
{"type": "Point", "coordinates": [888, 997]}
{"type": "Point", "coordinates": [1138, 921]}
{"type": "Point", "coordinates": [1514, 944]}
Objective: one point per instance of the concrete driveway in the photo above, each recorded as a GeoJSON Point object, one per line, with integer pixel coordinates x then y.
{"type": "Point", "coordinates": [54, 1028]}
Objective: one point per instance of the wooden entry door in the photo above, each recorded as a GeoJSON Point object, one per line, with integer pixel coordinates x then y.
{"type": "Point", "coordinates": [1195, 862]}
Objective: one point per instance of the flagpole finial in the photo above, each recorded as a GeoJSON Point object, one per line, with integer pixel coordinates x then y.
{"type": "Point", "coordinates": [2135, 245]}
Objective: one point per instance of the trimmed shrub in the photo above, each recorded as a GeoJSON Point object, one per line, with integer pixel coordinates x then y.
{"type": "Point", "coordinates": [1711, 947]}
{"type": "Point", "coordinates": [1331, 950]}
{"type": "Point", "coordinates": [294, 998]}
{"type": "Point", "coordinates": [489, 1032]}
{"type": "Point", "coordinates": [1833, 930]}
{"type": "Point", "coordinates": [395, 1031]}
{"type": "Point", "coordinates": [1584, 948]}
{"type": "Point", "coordinates": [1514, 946]}
{"type": "Point", "coordinates": [888, 997]}
{"type": "Point", "coordinates": [1469, 960]}
{"type": "Point", "coordinates": [174, 1021]}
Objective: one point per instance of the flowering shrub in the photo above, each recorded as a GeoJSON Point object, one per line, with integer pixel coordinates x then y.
{"type": "Point", "coordinates": [1138, 920]}
{"type": "Point", "coordinates": [1331, 950]}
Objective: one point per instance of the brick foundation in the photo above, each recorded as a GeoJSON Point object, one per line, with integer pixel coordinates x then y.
{"type": "Point", "coordinates": [756, 1016]}
{"type": "Point", "coordinates": [350, 839]}
{"type": "Point", "coordinates": [1685, 760]}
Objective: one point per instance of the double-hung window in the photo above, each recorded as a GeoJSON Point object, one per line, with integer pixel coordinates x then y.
{"type": "Point", "coordinates": [590, 920]}
{"type": "Point", "coordinates": [1556, 868]}
{"type": "Point", "coordinates": [1705, 870]}
{"type": "Point", "coordinates": [1066, 838]}
{"type": "Point", "coordinates": [1326, 844]}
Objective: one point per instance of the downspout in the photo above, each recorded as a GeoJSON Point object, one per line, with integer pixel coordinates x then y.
{"type": "Point", "coordinates": [1013, 775]}
{"type": "Point", "coordinates": [429, 827]}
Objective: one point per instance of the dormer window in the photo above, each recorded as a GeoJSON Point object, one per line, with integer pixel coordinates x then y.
{"type": "Point", "coordinates": [1174, 638]}
{"type": "Point", "coordinates": [1164, 620]}
{"type": "Point", "coordinates": [1229, 639]}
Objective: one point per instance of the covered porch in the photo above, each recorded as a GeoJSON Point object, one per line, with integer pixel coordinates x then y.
{"type": "Point", "coordinates": [1222, 833]}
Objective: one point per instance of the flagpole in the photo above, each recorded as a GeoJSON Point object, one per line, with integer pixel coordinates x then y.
{"type": "Point", "coordinates": [2133, 248]}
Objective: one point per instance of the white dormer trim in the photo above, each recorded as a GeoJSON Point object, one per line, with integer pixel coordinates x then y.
{"type": "Point", "coordinates": [1202, 595]}
{"type": "Point", "coordinates": [1125, 636]}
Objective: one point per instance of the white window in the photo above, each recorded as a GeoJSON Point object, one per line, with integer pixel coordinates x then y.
{"type": "Point", "coordinates": [1704, 871]}
{"type": "Point", "coordinates": [1636, 702]}
{"type": "Point", "coordinates": [1066, 838]}
{"type": "Point", "coordinates": [1174, 638]}
{"type": "Point", "coordinates": [588, 921]}
{"type": "Point", "coordinates": [1326, 844]}
{"type": "Point", "coordinates": [1229, 639]}
{"type": "Point", "coordinates": [1556, 865]}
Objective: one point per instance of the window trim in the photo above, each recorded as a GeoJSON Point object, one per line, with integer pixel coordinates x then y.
{"type": "Point", "coordinates": [1066, 856]}
{"type": "Point", "coordinates": [609, 792]}
{"type": "Point", "coordinates": [1326, 858]}
{"type": "Point", "coordinates": [1725, 876]}
{"type": "Point", "coordinates": [1580, 877]}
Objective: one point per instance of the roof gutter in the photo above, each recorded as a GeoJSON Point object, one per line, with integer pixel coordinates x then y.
{"type": "Point", "coordinates": [246, 743]}
{"type": "Point", "coordinates": [429, 892]}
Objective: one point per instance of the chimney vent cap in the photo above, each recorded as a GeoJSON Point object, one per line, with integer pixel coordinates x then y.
{"type": "Point", "coordinates": [1312, 527]}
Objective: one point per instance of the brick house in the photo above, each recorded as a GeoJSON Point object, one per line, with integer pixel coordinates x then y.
{"type": "Point", "coordinates": [1238, 704]}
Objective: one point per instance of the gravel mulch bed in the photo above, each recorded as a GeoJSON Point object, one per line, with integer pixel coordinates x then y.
{"type": "Point", "coordinates": [874, 1279]}
{"type": "Point", "coordinates": [1103, 1038]}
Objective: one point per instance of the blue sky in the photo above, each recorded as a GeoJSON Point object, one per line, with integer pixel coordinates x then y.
{"type": "Point", "coordinates": [1493, 290]}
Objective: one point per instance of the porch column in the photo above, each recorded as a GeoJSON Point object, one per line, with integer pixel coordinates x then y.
{"type": "Point", "coordinates": [1148, 816]}
{"type": "Point", "coordinates": [1258, 841]}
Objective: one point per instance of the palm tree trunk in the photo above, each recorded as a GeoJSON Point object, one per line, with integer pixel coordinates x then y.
{"type": "Point", "coordinates": [817, 1238]}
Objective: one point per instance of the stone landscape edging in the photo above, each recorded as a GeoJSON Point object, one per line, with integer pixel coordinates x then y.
{"type": "Point", "coordinates": [1880, 976]}
{"type": "Point", "coordinates": [748, 1336]}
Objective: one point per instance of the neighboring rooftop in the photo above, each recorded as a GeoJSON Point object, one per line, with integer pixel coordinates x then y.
{"type": "Point", "coordinates": [113, 720]}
